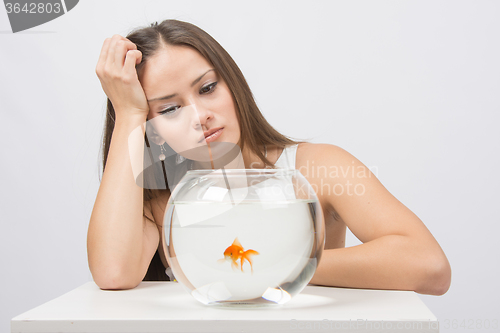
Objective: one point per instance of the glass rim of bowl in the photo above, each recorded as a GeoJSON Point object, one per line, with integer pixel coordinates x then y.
{"type": "Point", "coordinates": [241, 172]}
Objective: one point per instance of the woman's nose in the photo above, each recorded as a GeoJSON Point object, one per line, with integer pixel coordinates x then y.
{"type": "Point", "coordinates": [204, 115]}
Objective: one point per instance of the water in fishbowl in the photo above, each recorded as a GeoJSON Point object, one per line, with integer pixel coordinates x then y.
{"type": "Point", "coordinates": [246, 252]}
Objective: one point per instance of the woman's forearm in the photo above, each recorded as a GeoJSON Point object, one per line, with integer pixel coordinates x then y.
{"type": "Point", "coordinates": [116, 230]}
{"type": "Point", "coordinates": [389, 262]}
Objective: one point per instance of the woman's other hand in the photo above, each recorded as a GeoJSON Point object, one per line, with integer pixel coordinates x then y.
{"type": "Point", "coordinates": [117, 73]}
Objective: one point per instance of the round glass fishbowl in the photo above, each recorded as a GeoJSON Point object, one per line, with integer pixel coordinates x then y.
{"type": "Point", "coordinates": [243, 236]}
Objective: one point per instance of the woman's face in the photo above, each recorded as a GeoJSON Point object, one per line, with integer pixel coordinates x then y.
{"type": "Point", "coordinates": [187, 99]}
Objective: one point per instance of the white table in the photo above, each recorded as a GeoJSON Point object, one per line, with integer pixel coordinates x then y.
{"type": "Point", "coordinates": [167, 307]}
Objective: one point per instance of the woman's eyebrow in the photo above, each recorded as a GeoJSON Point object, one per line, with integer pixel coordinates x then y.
{"type": "Point", "coordinates": [173, 95]}
{"type": "Point", "coordinates": [200, 77]}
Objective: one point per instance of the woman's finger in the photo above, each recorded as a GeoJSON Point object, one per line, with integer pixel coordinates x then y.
{"type": "Point", "coordinates": [132, 46]}
{"type": "Point", "coordinates": [103, 54]}
{"type": "Point", "coordinates": [132, 58]}
{"type": "Point", "coordinates": [122, 47]}
{"type": "Point", "coordinates": [110, 59]}
{"type": "Point", "coordinates": [138, 58]}
{"type": "Point", "coordinates": [120, 50]}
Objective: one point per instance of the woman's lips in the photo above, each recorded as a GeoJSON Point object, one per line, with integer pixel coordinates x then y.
{"type": "Point", "coordinates": [214, 136]}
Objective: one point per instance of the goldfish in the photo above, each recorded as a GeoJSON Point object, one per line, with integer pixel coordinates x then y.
{"type": "Point", "coordinates": [235, 252]}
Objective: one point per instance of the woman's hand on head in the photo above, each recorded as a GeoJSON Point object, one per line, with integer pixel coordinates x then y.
{"type": "Point", "coordinates": [116, 71]}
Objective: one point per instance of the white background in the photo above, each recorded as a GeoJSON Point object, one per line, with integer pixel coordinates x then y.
{"type": "Point", "coordinates": [411, 88]}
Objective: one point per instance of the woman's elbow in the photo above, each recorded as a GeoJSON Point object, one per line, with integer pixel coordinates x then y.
{"type": "Point", "coordinates": [114, 280]}
{"type": "Point", "coordinates": [115, 284]}
{"type": "Point", "coordinates": [437, 279]}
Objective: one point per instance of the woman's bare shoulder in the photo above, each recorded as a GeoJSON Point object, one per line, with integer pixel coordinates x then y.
{"type": "Point", "coordinates": [308, 146]}
{"type": "Point", "coordinates": [320, 153]}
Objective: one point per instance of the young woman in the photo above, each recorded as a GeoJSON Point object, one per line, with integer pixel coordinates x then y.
{"type": "Point", "coordinates": [158, 72]}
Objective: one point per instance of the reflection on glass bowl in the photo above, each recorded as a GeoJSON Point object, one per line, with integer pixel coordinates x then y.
{"type": "Point", "coordinates": [244, 237]}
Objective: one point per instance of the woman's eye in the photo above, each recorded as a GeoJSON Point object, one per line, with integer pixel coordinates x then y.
{"type": "Point", "coordinates": [170, 110]}
{"type": "Point", "coordinates": [208, 88]}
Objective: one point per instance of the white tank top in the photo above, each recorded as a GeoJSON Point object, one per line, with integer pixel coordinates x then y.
{"type": "Point", "coordinates": [287, 158]}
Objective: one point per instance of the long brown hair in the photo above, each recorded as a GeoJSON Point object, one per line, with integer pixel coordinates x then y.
{"type": "Point", "coordinates": [254, 128]}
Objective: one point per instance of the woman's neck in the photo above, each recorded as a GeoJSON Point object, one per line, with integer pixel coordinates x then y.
{"type": "Point", "coordinates": [252, 161]}
{"type": "Point", "coordinates": [243, 160]}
